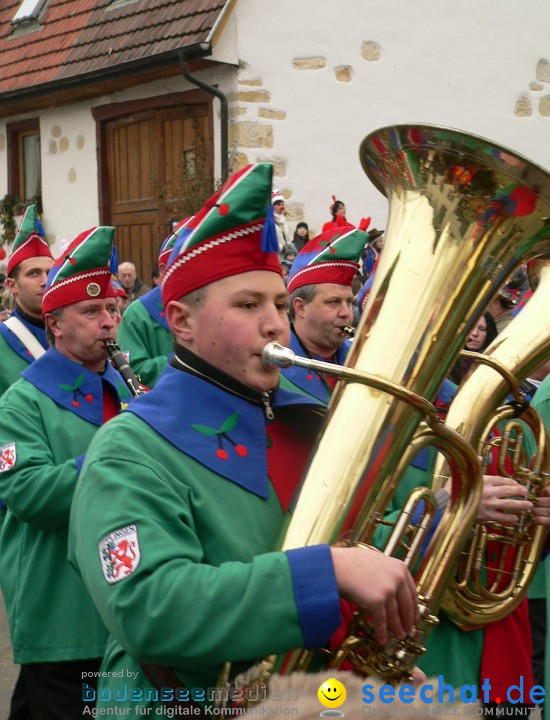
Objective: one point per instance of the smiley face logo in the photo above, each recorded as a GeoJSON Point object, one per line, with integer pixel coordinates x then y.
{"type": "Point", "coordinates": [332, 694]}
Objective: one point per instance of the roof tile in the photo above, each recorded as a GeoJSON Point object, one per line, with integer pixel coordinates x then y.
{"type": "Point", "coordinates": [76, 37]}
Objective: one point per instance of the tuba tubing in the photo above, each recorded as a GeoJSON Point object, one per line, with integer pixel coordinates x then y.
{"type": "Point", "coordinates": [518, 350]}
{"type": "Point", "coordinates": [455, 233]}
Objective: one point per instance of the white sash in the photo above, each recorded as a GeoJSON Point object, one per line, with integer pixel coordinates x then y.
{"type": "Point", "coordinates": [25, 335]}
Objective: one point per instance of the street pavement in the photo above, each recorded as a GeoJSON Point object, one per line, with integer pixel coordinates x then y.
{"type": "Point", "coordinates": [8, 671]}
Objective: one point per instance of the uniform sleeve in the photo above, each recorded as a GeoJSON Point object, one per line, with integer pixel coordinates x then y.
{"type": "Point", "coordinates": [541, 402]}
{"type": "Point", "coordinates": [171, 607]}
{"type": "Point", "coordinates": [11, 366]}
{"type": "Point", "coordinates": [136, 337]}
{"type": "Point", "coordinates": [37, 490]}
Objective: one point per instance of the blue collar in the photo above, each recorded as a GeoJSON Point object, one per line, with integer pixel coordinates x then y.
{"type": "Point", "coordinates": [307, 380]}
{"type": "Point", "coordinates": [223, 432]}
{"type": "Point", "coordinates": [16, 344]}
{"type": "Point", "coordinates": [73, 387]}
{"type": "Point", "coordinates": [152, 302]}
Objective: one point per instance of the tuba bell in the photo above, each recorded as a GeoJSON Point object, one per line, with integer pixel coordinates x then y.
{"type": "Point", "coordinates": [479, 594]}
{"type": "Point", "coordinates": [464, 213]}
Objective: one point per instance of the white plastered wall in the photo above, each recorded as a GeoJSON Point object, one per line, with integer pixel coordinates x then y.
{"type": "Point", "coordinates": [315, 78]}
{"type": "Point", "coordinates": [336, 71]}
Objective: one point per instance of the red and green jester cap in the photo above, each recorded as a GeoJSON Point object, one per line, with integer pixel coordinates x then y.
{"type": "Point", "coordinates": [29, 241]}
{"type": "Point", "coordinates": [233, 233]}
{"type": "Point", "coordinates": [83, 271]}
{"type": "Point", "coordinates": [332, 257]}
{"type": "Point", "coordinates": [169, 242]}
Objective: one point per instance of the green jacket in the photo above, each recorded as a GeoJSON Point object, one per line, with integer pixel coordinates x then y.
{"type": "Point", "coordinates": [15, 356]}
{"type": "Point", "coordinates": [539, 586]}
{"type": "Point", "coordinates": [43, 436]}
{"type": "Point", "coordinates": [11, 366]}
{"type": "Point", "coordinates": [185, 517]}
{"type": "Point", "coordinates": [143, 332]}
{"type": "Point", "coordinates": [541, 403]}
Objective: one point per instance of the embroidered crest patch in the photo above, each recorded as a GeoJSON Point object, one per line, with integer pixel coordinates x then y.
{"type": "Point", "coordinates": [119, 553]}
{"type": "Point", "coordinates": [8, 456]}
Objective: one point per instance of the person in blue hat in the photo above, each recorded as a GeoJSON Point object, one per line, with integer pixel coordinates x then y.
{"type": "Point", "coordinates": [144, 332]}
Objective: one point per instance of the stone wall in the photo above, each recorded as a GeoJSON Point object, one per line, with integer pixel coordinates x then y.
{"type": "Point", "coordinates": [254, 118]}
{"type": "Point", "coordinates": [535, 98]}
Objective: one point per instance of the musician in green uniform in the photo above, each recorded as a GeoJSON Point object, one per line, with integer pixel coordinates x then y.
{"type": "Point", "coordinates": [47, 419]}
{"type": "Point", "coordinates": [321, 305]}
{"type": "Point", "coordinates": [181, 502]}
{"type": "Point", "coordinates": [22, 336]}
{"type": "Point", "coordinates": [144, 333]}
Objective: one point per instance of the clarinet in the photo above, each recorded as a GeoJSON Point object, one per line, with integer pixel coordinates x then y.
{"type": "Point", "coordinates": [121, 364]}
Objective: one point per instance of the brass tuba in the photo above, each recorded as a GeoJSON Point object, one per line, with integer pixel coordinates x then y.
{"type": "Point", "coordinates": [464, 213]}
{"type": "Point", "coordinates": [479, 594]}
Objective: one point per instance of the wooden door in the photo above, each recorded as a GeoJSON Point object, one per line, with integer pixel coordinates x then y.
{"type": "Point", "coordinates": [152, 159]}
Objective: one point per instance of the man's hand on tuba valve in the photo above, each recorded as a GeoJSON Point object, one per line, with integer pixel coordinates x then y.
{"type": "Point", "coordinates": [381, 585]}
{"type": "Point", "coordinates": [541, 510]}
{"type": "Point", "coordinates": [502, 500]}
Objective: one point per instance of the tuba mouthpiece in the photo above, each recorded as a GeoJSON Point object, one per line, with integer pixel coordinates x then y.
{"type": "Point", "coordinates": [276, 355]}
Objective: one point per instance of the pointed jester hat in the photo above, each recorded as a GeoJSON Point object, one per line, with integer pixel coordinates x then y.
{"type": "Point", "coordinates": [332, 257]}
{"type": "Point", "coordinates": [169, 242]}
{"type": "Point", "coordinates": [233, 233]}
{"type": "Point", "coordinates": [83, 271]}
{"type": "Point", "coordinates": [29, 241]}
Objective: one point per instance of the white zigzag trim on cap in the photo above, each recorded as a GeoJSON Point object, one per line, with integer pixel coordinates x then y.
{"type": "Point", "coordinates": [74, 278]}
{"type": "Point", "coordinates": [208, 246]}
{"type": "Point", "coordinates": [339, 263]}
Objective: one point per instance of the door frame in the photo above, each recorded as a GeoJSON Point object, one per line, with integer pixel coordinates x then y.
{"type": "Point", "coordinates": [105, 113]}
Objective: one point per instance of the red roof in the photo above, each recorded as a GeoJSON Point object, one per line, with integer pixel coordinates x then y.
{"type": "Point", "coordinates": [74, 39]}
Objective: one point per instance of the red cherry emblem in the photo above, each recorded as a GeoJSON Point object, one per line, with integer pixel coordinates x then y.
{"type": "Point", "coordinates": [76, 403]}
{"type": "Point", "coordinates": [241, 450]}
{"type": "Point", "coordinates": [222, 454]}
{"type": "Point", "coordinates": [332, 250]}
{"type": "Point", "coordinates": [223, 209]}
{"type": "Point", "coordinates": [309, 376]}
{"type": "Point", "coordinates": [72, 261]}
{"type": "Point", "coordinates": [89, 397]}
